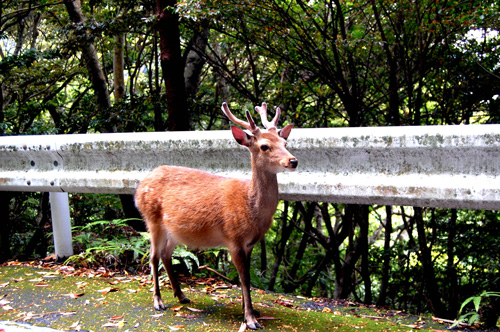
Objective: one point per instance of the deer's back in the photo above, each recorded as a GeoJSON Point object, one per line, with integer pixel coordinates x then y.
{"type": "Point", "coordinates": [195, 207]}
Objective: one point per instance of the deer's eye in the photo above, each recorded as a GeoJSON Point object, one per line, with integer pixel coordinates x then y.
{"type": "Point", "coordinates": [264, 147]}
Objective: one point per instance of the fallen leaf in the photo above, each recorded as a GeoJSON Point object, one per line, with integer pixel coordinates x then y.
{"type": "Point", "coordinates": [49, 274]}
{"type": "Point", "coordinates": [4, 302]}
{"type": "Point", "coordinates": [116, 317]}
{"type": "Point", "coordinates": [113, 325]}
{"type": "Point", "coordinates": [67, 313]}
{"type": "Point", "coordinates": [284, 302]}
{"type": "Point", "coordinates": [28, 316]}
{"type": "Point", "coordinates": [74, 295]}
{"type": "Point", "coordinates": [266, 318]}
{"type": "Point", "coordinates": [176, 327]}
{"type": "Point", "coordinates": [108, 290]}
{"type": "Point", "coordinates": [50, 257]}
{"type": "Point", "coordinates": [194, 309]}
{"type": "Point", "coordinates": [4, 284]}
{"type": "Point", "coordinates": [7, 307]}
{"type": "Point", "coordinates": [177, 308]}
{"type": "Point", "coordinates": [185, 316]}
{"type": "Point", "coordinates": [157, 315]}
{"type": "Point", "coordinates": [41, 284]}
{"type": "Point", "coordinates": [124, 281]}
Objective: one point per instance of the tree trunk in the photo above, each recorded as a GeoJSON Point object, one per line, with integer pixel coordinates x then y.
{"type": "Point", "coordinates": [195, 61]}
{"type": "Point", "coordinates": [118, 69]}
{"type": "Point", "coordinates": [38, 242]}
{"type": "Point", "coordinates": [453, 303]}
{"type": "Point", "coordinates": [280, 251]}
{"type": "Point", "coordinates": [290, 285]}
{"type": "Point", "coordinates": [2, 114]}
{"type": "Point", "coordinates": [100, 87]}
{"type": "Point", "coordinates": [172, 66]}
{"type": "Point", "coordinates": [364, 247]}
{"type": "Point", "coordinates": [344, 283]}
{"type": "Point", "coordinates": [20, 36]}
{"type": "Point", "coordinates": [387, 257]}
{"type": "Point", "coordinates": [392, 118]}
{"type": "Point", "coordinates": [221, 84]}
{"type": "Point", "coordinates": [159, 124]}
{"type": "Point", "coordinates": [91, 59]}
{"type": "Point", "coordinates": [431, 291]}
{"type": "Point", "coordinates": [5, 253]}
{"type": "Point", "coordinates": [263, 256]}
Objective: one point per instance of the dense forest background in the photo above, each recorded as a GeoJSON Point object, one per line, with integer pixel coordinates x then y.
{"type": "Point", "coordinates": [120, 66]}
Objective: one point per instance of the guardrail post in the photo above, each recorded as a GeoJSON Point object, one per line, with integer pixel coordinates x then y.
{"type": "Point", "coordinates": [61, 224]}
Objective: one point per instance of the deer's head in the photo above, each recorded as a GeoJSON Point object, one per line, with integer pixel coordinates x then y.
{"type": "Point", "coordinates": [268, 147]}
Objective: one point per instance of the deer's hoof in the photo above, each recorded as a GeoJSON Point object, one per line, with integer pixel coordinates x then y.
{"type": "Point", "coordinates": [184, 300]}
{"type": "Point", "coordinates": [160, 306]}
{"type": "Point", "coordinates": [158, 303]}
{"type": "Point", "coordinates": [254, 326]}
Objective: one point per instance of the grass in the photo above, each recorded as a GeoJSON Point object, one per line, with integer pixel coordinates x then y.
{"type": "Point", "coordinates": [97, 301]}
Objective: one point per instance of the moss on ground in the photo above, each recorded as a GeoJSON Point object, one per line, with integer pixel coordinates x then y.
{"type": "Point", "coordinates": [94, 303]}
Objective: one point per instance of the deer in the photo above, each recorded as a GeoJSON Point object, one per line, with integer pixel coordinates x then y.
{"type": "Point", "coordinates": [183, 205]}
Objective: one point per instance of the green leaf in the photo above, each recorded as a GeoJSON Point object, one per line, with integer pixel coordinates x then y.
{"type": "Point", "coordinates": [465, 303]}
{"type": "Point", "coordinates": [477, 302]}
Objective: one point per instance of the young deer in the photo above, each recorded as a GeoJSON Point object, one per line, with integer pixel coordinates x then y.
{"type": "Point", "coordinates": [199, 209]}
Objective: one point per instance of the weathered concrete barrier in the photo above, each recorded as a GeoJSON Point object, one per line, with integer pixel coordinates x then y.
{"type": "Point", "coordinates": [436, 166]}
{"type": "Point", "coordinates": [440, 166]}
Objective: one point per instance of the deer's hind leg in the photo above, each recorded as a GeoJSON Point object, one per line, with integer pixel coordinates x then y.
{"type": "Point", "coordinates": [166, 257]}
{"type": "Point", "coordinates": [157, 238]}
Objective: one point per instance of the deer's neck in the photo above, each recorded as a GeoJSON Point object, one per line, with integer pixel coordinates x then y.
{"type": "Point", "coordinates": [263, 196]}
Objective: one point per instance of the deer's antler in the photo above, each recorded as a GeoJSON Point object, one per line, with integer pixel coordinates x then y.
{"type": "Point", "coordinates": [250, 125]}
{"type": "Point", "coordinates": [263, 116]}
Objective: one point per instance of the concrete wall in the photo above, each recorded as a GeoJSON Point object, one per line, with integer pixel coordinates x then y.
{"type": "Point", "coordinates": [440, 166]}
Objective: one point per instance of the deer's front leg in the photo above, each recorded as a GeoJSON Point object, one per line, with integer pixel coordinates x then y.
{"type": "Point", "coordinates": [241, 260]}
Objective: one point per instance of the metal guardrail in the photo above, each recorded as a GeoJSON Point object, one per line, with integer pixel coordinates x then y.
{"type": "Point", "coordinates": [436, 166]}
{"type": "Point", "coordinates": [440, 166]}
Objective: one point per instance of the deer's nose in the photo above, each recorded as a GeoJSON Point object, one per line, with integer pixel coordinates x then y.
{"type": "Point", "coordinates": [294, 163]}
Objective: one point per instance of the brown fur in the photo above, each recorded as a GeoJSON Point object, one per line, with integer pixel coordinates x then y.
{"type": "Point", "coordinates": [194, 206]}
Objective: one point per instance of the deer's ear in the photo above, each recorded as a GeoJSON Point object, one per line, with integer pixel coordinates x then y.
{"type": "Point", "coordinates": [241, 137]}
{"type": "Point", "coordinates": [285, 131]}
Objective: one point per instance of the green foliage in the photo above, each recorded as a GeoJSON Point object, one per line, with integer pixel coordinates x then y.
{"type": "Point", "coordinates": [109, 243]}
{"type": "Point", "coordinates": [474, 316]}
{"type": "Point", "coordinates": [88, 208]}
{"type": "Point", "coordinates": [183, 256]}
{"type": "Point", "coordinates": [116, 245]}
